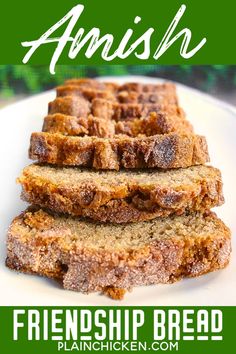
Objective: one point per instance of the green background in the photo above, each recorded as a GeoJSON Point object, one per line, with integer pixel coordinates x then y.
{"type": "Point", "coordinates": [28, 20]}
{"type": "Point", "coordinates": [8, 346]}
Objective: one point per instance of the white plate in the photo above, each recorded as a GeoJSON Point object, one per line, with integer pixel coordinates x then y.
{"type": "Point", "coordinates": [210, 117]}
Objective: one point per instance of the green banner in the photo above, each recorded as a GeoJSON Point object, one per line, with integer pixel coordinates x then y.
{"type": "Point", "coordinates": [117, 32]}
{"type": "Point", "coordinates": [125, 329]}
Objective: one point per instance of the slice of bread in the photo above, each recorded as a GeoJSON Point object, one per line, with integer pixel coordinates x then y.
{"type": "Point", "coordinates": [92, 83]}
{"type": "Point", "coordinates": [163, 151]}
{"type": "Point", "coordinates": [128, 93]}
{"type": "Point", "coordinates": [163, 94]}
{"type": "Point", "coordinates": [80, 106]}
{"type": "Point", "coordinates": [165, 87]}
{"type": "Point", "coordinates": [74, 106]}
{"type": "Point", "coordinates": [124, 196]}
{"type": "Point", "coordinates": [85, 92]}
{"type": "Point", "coordinates": [89, 257]}
{"type": "Point", "coordinates": [147, 97]}
{"type": "Point", "coordinates": [104, 128]}
{"type": "Point", "coordinates": [74, 126]}
{"type": "Point", "coordinates": [127, 111]}
{"type": "Point", "coordinates": [147, 93]}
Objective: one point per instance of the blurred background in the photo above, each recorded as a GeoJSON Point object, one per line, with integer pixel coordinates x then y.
{"type": "Point", "coordinates": [19, 81]}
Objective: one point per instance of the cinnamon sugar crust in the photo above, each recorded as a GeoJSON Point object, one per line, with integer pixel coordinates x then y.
{"type": "Point", "coordinates": [162, 151]}
{"type": "Point", "coordinates": [103, 107]}
{"type": "Point", "coordinates": [89, 257]}
{"type": "Point", "coordinates": [123, 196]}
{"type": "Point", "coordinates": [155, 123]}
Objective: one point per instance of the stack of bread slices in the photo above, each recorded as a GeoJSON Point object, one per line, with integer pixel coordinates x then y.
{"type": "Point", "coordinates": [120, 194]}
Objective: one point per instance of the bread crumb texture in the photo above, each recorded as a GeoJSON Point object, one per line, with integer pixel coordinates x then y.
{"type": "Point", "coordinates": [90, 257]}
{"type": "Point", "coordinates": [124, 196]}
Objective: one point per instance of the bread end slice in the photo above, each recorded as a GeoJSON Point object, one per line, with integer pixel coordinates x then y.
{"type": "Point", "coordinates": [90, 257]}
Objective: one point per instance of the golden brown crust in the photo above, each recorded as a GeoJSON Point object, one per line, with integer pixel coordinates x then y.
{"type": "Point", "coordinates": [139, 93]}
{"type": "Point", "coordinates": [164, 89]}
{"type": "Point", "coordinates": [104, 128]}
{"type": "Point", "coordinates": [114, 293]}
{"type": "Point", "coordinates": [38, 220]}
{"type": "Point", "coordinates": [129, 86]}
{"type": "Point", "coordinates": [92, 83]}
{"type": "Point", "coordinates": [127, 111]}
{"type": "Point", "coordinates": [121, 200]}
{"type": "Point", "coordinates": [81, 106]}
{"type": "Point", "coordinates": [73, 126]}
{"type": "Point", "coordinates": [163, 151]}
{"type": "Point", "coordinates": [164, 260]}
{"type": "Point", "coordinates": [153, 124]}
{"type": "Point", "coordinates": [74, 106]}
{"type": "Point", "coordinates": [87, 93]}
{"type": "Point", "coordinates": [111, 101]}
{"type": "Point", "coordinates": [147, 97]}
{"type": "Point", "coordinates": [127, 93]}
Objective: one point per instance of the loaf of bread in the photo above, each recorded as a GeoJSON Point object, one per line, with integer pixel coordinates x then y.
{"type": "Point", "coordinates": [120, 194]}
